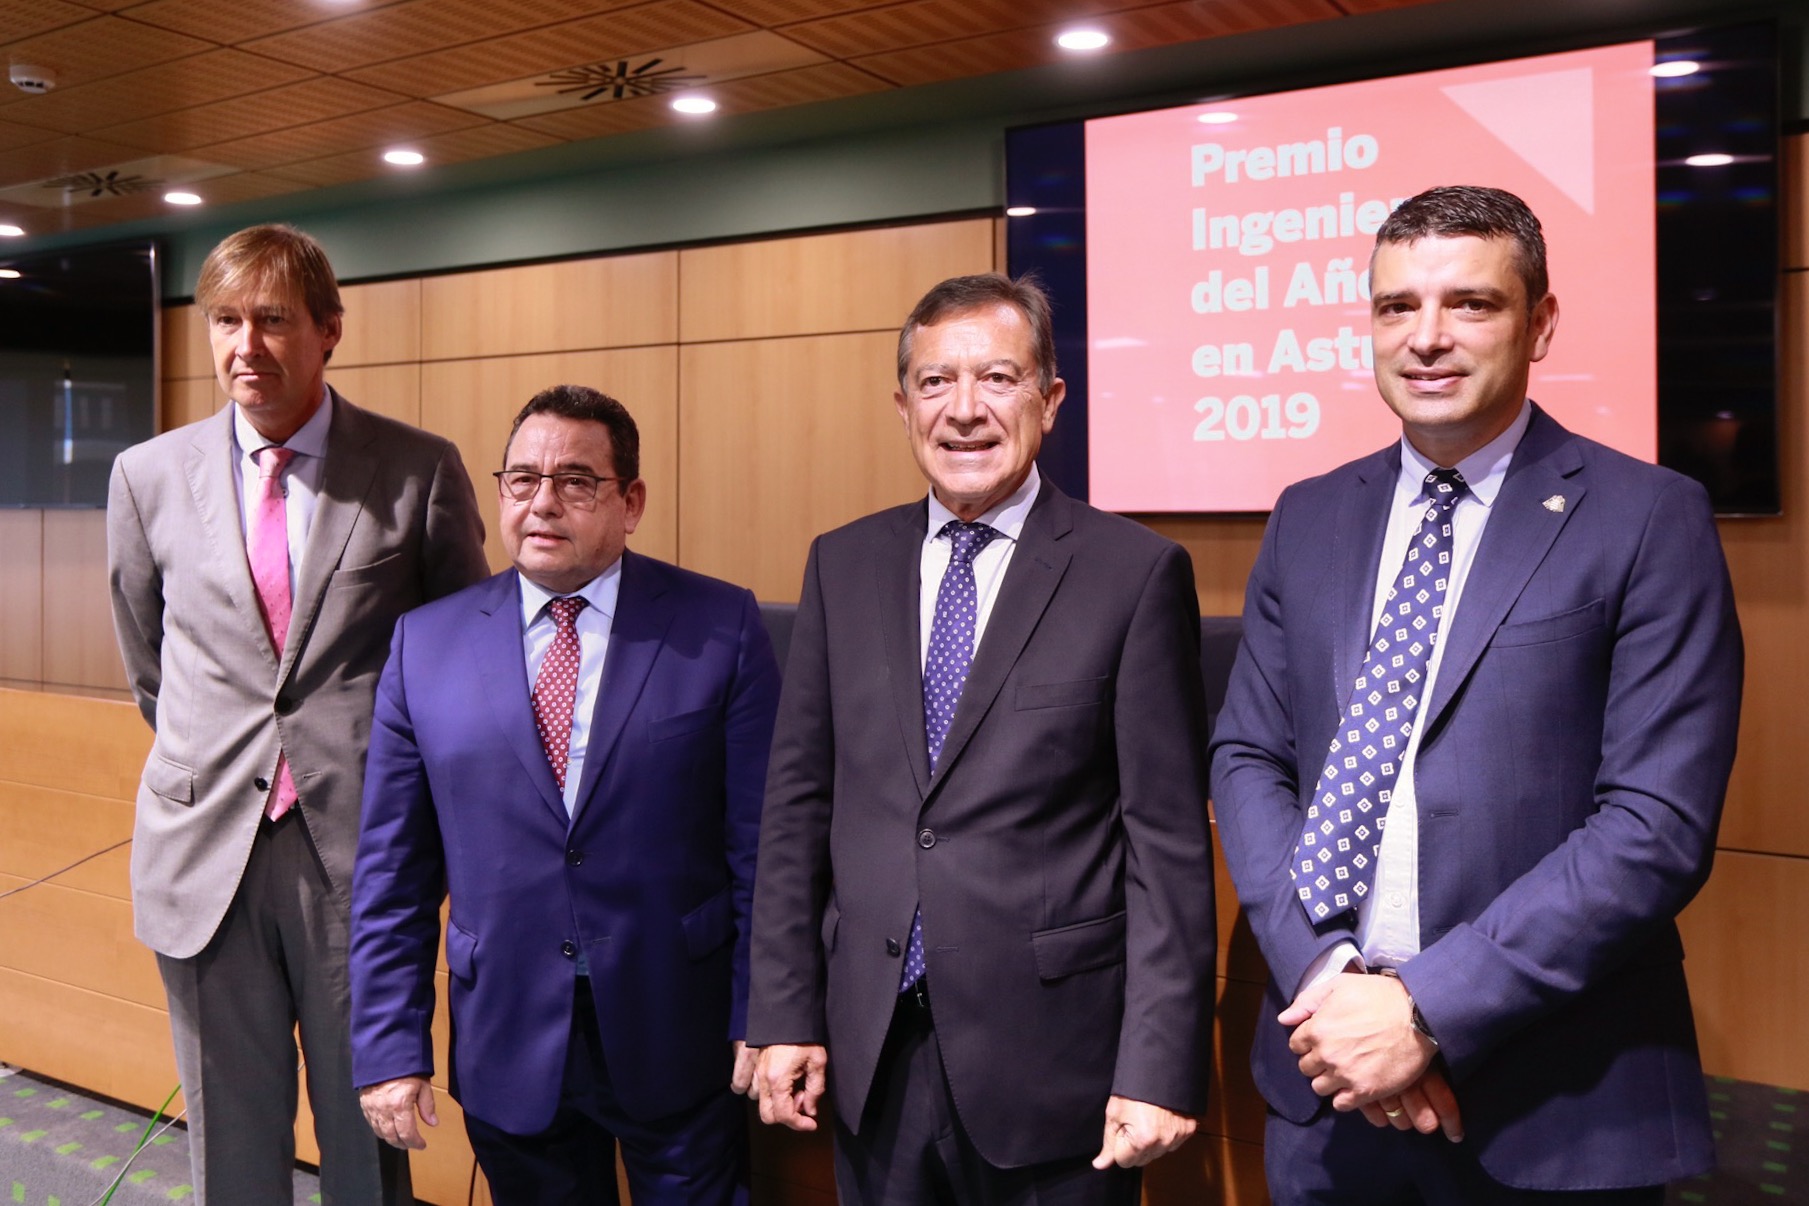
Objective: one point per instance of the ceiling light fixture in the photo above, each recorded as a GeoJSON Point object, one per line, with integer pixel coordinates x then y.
{"type": "Point", "coordinates": [1713, 159]}
{"type": "Point", "coordinates": [694, 105]}
{"type": "Point", "coordinates": [1020, 211]}
{"type": "Point", "coordinates": [404, 158]}
{"type": "Point", "coordinates": [182, 198]}
{"type": "Point", "coordinates": [1082, 39]}
{"type": "Point", "coordinates": [9, 231]}
{"type": "Point", "coordinates": [1672, 68]}
{"type": "Point", "coordinates": [1218, 117]}
{"type": "Point", "coordinates": [9, 274]}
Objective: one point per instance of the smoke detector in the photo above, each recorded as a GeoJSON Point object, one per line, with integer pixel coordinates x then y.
{"type": "Point", "coordinates": [35, 80]}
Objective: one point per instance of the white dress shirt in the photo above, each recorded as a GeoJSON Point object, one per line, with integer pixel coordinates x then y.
{"type": "Point", "coordinates": [1388, 919]}
{"type": "Point", "coordinates": [301, 480]}
{"type": "Point", "coordinates": [593, 624]}
{"type": "Point", "coordinates": [989, 563]}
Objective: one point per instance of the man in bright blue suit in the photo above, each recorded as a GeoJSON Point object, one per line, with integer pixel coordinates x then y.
{"type": "Point", "coordinates": [575, 751]}
{"type": "Point", "coordinates": [1477, 740]}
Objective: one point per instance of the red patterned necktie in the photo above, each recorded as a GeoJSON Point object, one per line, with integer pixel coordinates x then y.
{"type": "Point", "coordinates": [269, 553]}
{"type": "Point", "coordinates": [557, 685]}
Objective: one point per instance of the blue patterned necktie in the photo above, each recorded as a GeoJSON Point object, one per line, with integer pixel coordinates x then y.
{"type": "Point", "coordinates": [1335, 860]}
{"type": "Point", "coordinates": [945, 671]}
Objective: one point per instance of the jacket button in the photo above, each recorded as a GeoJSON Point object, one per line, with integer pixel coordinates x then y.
{"type": "Point", "coordinates": [569, 949]}
{"type": "Point", "coordinates": [574, 857]}
{"type": "Point", "coordinates": [261, 783]}
{"type": "Point", "coordinates": [284, 705]}
{"type": "Point", "coordinates": [892, 947]}
{"type": "Point", "coordinates": [926, 838]}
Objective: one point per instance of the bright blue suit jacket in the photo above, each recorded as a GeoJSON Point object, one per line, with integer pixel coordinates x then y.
{"type": "Point", "coordinates": [651, 878]}
{"type": "Point", "coordinates": [1573, 760]}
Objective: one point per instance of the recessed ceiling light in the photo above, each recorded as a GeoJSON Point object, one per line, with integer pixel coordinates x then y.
{"type": "Point", "coordinates": [404, 158]}
{"type": "Point", "coordinates": [1671, 68]}
{"type": "Point", "coordinates": [693, 105]}
{"type": "Point", "coordinates": [1713, 159]}
{"type": "Point", "coordinates": [9, 231]}
{"type": "Point", "coordinates": [1082, 39]}
{"type": "Point", "coordinates": [182, 198]}
{"type": "Point", "coordinates": [1020, 211]}
{"type": "Point", "coordinates": [1218, 117]}
{"type": "Point", "coordinates": [9, 274]}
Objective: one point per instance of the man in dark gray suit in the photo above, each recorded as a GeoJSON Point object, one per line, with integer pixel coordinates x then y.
{"type": "Point", "coordinates": [258, 561]}
{"type": "Point", "coordinates": [985, 886]}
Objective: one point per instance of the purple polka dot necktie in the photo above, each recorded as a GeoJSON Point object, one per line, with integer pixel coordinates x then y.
{"type": "Point", "coordinates": [945, 672]}
{"type": "Point", "coordinates": [556, 686]}
{"type": "Point", "coordinates": [1335, 859]}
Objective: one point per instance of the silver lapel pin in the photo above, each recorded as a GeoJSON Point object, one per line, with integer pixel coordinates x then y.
{"type": "Point", "coordinates": [1554, 504]}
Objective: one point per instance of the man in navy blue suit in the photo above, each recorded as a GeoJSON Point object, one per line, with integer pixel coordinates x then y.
{"type": "Point", "coordinates": [575, 752]}
{"type": "Point", "coordinates": [1493, 776]}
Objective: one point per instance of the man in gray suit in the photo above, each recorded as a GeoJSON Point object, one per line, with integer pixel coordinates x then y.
{"type": "Point", "coordinates": [258, 560]}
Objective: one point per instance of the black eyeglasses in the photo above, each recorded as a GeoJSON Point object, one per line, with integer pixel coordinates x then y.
{"type": "Point", "coordinates": [573, 489]}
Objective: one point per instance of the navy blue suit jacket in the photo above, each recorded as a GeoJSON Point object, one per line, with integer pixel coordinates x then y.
{"type": "Point", "coordinates": [1573, 760]}
{"type": "Point", "coordinates": [652, 877]}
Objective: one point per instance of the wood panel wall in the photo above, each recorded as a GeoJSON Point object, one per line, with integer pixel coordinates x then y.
{"type": "Point", "coordinates": [761, 376]}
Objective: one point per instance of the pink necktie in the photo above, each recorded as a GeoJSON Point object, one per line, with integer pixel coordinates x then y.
{"type": "Point", "coordinates": [269, 549]}
{"type": "Point", "coordinates": [557, 684]}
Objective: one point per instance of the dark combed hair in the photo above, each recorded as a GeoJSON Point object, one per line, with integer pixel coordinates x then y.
{"type": "Point", "coordinates": [275, 260]}
{"type": "Point", "coordinates": [964, 294]}
{"type": "Point", "coordinates": [1455, 210]}
{"type": "Point", "coordinates": [593, 406]}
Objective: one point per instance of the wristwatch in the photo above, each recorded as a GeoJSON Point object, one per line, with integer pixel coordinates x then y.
{"type": "Point", "coordinates": [1416, 1019]}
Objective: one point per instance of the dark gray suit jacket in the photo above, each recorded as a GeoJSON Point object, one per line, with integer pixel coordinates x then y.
{"type": "Point", "coordinates": [1060, 851]}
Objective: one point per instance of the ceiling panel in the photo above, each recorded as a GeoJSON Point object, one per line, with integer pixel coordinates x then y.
{"type": "Point", "coordinates": [23, 18]}
{"type": "Point", "coordinates": [930, 21]}
{"type": "Point", "coordinates": [781, 12]}
{"type": "Point", "coordinates": [479, 142]}
{"type": "Point", "coordinates": [417, 27]}
{"type": "Point", "coordinates": [1137, 29]}
{"type": "Point", "coordinates": [42, 160]}
{"type": "Point", "coordinates": [197, 80]}
{"type": "Point", "coordinates": [378, 128]}
{"type": "Point", "coordinates": [237, 21]}
{"type": "Point", "coordinates": [12, 135]}
{"type": "Point", "coordinates": [101, 47]}
{"type": "Point", "coordinates": [641, 30]}
{"type": "Point", "coordinates": [310, 101]}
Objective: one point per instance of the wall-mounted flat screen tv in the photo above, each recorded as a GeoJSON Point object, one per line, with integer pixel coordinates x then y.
{"type": "Point", "coordinates": [78, 369]}
{"type": "Point", "coordinates": [1209, 264]}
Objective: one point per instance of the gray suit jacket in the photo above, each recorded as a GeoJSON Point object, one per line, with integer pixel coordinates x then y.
{"type": "Point", "coordinates": [396, 525]}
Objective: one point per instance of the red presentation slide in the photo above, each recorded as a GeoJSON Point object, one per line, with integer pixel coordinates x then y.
{"type": "Point", "coordinates": [1227, 254]}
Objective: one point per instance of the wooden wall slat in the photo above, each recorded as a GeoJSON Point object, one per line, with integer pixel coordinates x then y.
{"type": "Point", "coordinates": [1211, 1168]}
{"type": "Point", "coordinates": [189, 401]}
{"type": "Point", "coordinates": [43, 830]}
{"type": "Point", "coordinates": [393, 390]}
{"type": "Point", "coordinates": [610, 302]}
{"type": "Point", "coordinates": [108, 960]}
{"type": "Point", "coordinates": [79, 648]}
{"type": "Point", "coordinates": [381, 325]}
{"type": "Point", "coordinates": [862, 280]}
{"type": "Point", "coordinates": [474, 402]}
{"type": "Point", "coordinates": [185, 350]}
{"type": "Point", "coordinates": [779, 440]}
{"type": "Point", "coordinates": [21, 595]}
{"type": "Point", "coordinates": [101, 1042]}
{"type": "Point", "coordinates": [1743, 946]}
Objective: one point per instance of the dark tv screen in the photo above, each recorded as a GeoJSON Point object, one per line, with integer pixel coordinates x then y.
{"type": "Point", "coordinates": [1208, 261]}
{"type": "Point", "coordinates": [78, 369]}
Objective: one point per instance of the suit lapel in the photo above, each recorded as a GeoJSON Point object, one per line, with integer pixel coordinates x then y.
{"type": "Point", "coordinates": [1036, 569]}
{"type": "Point", "coordinates": [1519, 534]}
{"type": "Point", "coordinates": [1357, 549]}
{"type": "Point", "coordinates": [210, 468]}
{"type": "Point", "coordinates": [503, 671]}
{"type": "Point", "coordinates": [345, 482]}
{"type": "Point", "coordinates": [898, 590]}
{"type": "Point", "coordinates": [636, 636]}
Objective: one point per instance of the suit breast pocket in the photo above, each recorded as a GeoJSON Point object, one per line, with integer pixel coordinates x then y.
{"type": "Point", "coordinates": [1591, 617]}
{"type": "Point", "coordinates": [1076, 693]}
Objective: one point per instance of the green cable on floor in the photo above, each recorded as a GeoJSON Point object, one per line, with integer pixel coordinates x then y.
{"type": "Point", "coordinates": [143, 1138]}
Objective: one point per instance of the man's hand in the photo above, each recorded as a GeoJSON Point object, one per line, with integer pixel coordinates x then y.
{"type": "Point", "coordinates": [789, 1082]}
{"type": "Point", "coordinates": [1356, 1040]}
{"type": "Point", "coordinates": [741, 1080]}
{"type": "Point", "coordinates": [1136, 1132]}
{"type": "Point", "coordinates": [1426, 1106]}
{"type": "Point", "coordinates": [391, 1107]}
